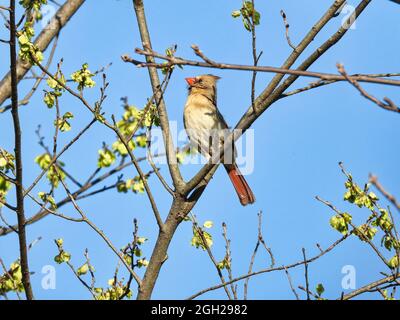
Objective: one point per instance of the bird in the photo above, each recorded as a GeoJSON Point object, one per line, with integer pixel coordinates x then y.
{"type": "Point", "coordinates": [206, 129]}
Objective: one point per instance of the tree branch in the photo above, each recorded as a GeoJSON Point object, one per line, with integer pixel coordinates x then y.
{"type": "Point", "coordinates": [369, 287]}
{"type": "Point", "coordinates": [208, 63]}
{"type": "Point", "coordinates": [43, 40]}
{"type": "Point", "coordinates": [281, 268]}
{"type": "Point", "coordinates": [162, 111]}
{"type": "Point", "coordinates": [38, 81]}
{"type": "Point", "coordinates": [374, 180]}
{"type": "Point", "coordinates": [387, 104]}
{"type": "Point", "coordinates": [100, 233]}
{"type": "Point", "coordinates": [18, 158]}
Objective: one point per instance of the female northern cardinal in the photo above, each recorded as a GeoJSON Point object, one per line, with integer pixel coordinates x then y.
{"type": "Point", "coordinates": [203, 121]}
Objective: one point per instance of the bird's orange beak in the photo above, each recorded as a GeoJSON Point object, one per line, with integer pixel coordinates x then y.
{"type": "Point", "coordinates": [190, 81]}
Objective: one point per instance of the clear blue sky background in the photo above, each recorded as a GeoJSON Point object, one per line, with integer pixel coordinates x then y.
{"type": "Point", "coordinates": [298, 144]}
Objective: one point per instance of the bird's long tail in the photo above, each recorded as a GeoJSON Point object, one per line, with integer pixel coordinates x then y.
{"type": "Point", "coordinates": [243, 190]}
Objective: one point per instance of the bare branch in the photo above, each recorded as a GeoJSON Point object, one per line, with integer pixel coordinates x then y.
{"type": "Point", "coordinates": [162, 111]}
{"type": "Point", "coordinates": [78, 194]}
{"type": "Point", "coordinates": [369, 287]}
{"type": "Point", "coordinates": [289, 266]}
{"type": "Point", "coordinates": [56, 157]}
{"type": "Point", "coordinates": [100, 233]}
{"type": "Point", "coordinates": [387, 105]}
{"type": "Point", "coordinates": [208, 63]}
{"type": "Point", "coordinates": [260, 240]}
{"type": "Point", "coordinates": [142, 176]}
{"type": "Point", "coordinates": [321, 83]}
{"type": "Point", "coordinates": [291, 284]}
{"type": "Point", "coordinates": [374, 180]}
{"type": "Point", "coordinates": [273, 92]}
{"type": "Point", "coordinates": [20, 210]}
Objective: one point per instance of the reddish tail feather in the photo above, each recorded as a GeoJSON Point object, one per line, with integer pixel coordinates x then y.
{"type": "Point", "coordinates": [243, 190]}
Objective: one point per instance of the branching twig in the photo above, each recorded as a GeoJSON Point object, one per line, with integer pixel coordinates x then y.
{"type": "Point", "coordinates": [83, 282]}
{"type": "Point", "coordinates": [38, 81]}
{"type": "Point", "coordinates": [260, 240]}
{"type": "Point", "coordinates": [42, 41]}
{"type": "Point", "coordinates": [364, 237]}
{"type": "Point", "coordinates": [78, 194]}
{"type": "Point", "coordinates": [99, 232]}
{"type": "Point", "coordinates": [387, 104]}
{"type": "Point", "coordinates": [55, 158]}
{"type": "Point", "coordinates": [208, 63]}
{"type": "Point", "coordinates": [211, 255]}
{"type": "Point", "coordinates": [321, 83]}
{"type": "Point", "coordinates": [289, 266]}
{"type": "Point", "coordinates": [142, 176]}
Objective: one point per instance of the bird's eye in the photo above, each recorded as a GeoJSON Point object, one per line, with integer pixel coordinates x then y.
{"type": "Point", "coordinates": [200, 80]}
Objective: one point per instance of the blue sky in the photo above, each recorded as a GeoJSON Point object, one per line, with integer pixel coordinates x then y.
{"type": "Point", "coordinates": [298, 144]}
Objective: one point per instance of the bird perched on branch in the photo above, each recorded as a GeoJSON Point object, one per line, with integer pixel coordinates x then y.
{"type": "Point", "coordinates": [207, 130]}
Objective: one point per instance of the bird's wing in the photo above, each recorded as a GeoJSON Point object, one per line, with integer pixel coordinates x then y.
{"type": "Point", "coordinates": [220, 117]}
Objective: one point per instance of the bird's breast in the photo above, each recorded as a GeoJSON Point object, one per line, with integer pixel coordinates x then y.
{"type": "Point", "coordinates": [200, 114]}
{"type": "Point", "coordinates": [204, 124]}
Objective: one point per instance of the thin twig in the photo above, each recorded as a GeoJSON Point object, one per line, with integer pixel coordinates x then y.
{"type": "Point", "coordinates": [228, 256]}
{"type": "Point", "coordinates": [171, 61]}
{"type": "Point", "coordinates": [142, 176]}
{"type": "Point", "coordinates": [321, 83]}
{"type": "Point", "coordinates": [369, 287]}
{"type": "Point", "coordinates": [281, 268]}
{"type": "Point", "coordinates": [387, 104]}
{"type": "Point", "coordinates": [260, 240]}
{"type": "Point", "coordinates": [256, 57]}
{"type": "Point", "coordinates": [78, 194]}
{"type": "Point", "coordinates": [309, 293]}
{"type": "Point", "coordinates": [286, 23]}
{"type": "Point", "coordinates": [306, 273]}
{"type": "Point", "coordinates": [374, 180]}
{"type": "Point", "coordinates": [55, 158]}
{"type": "Point", "coordinates": [364, 237]}
{"type": "Point", "coordinates": [199, 231]}
{"type": "Point", "coordinates": [291, 284]}
{"type": "Point", "coordinates": [42, 41]}
{"type": "Point", "coordinates": [99, 232]}
{"type": "Point", "coordinates": [39, 79]}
